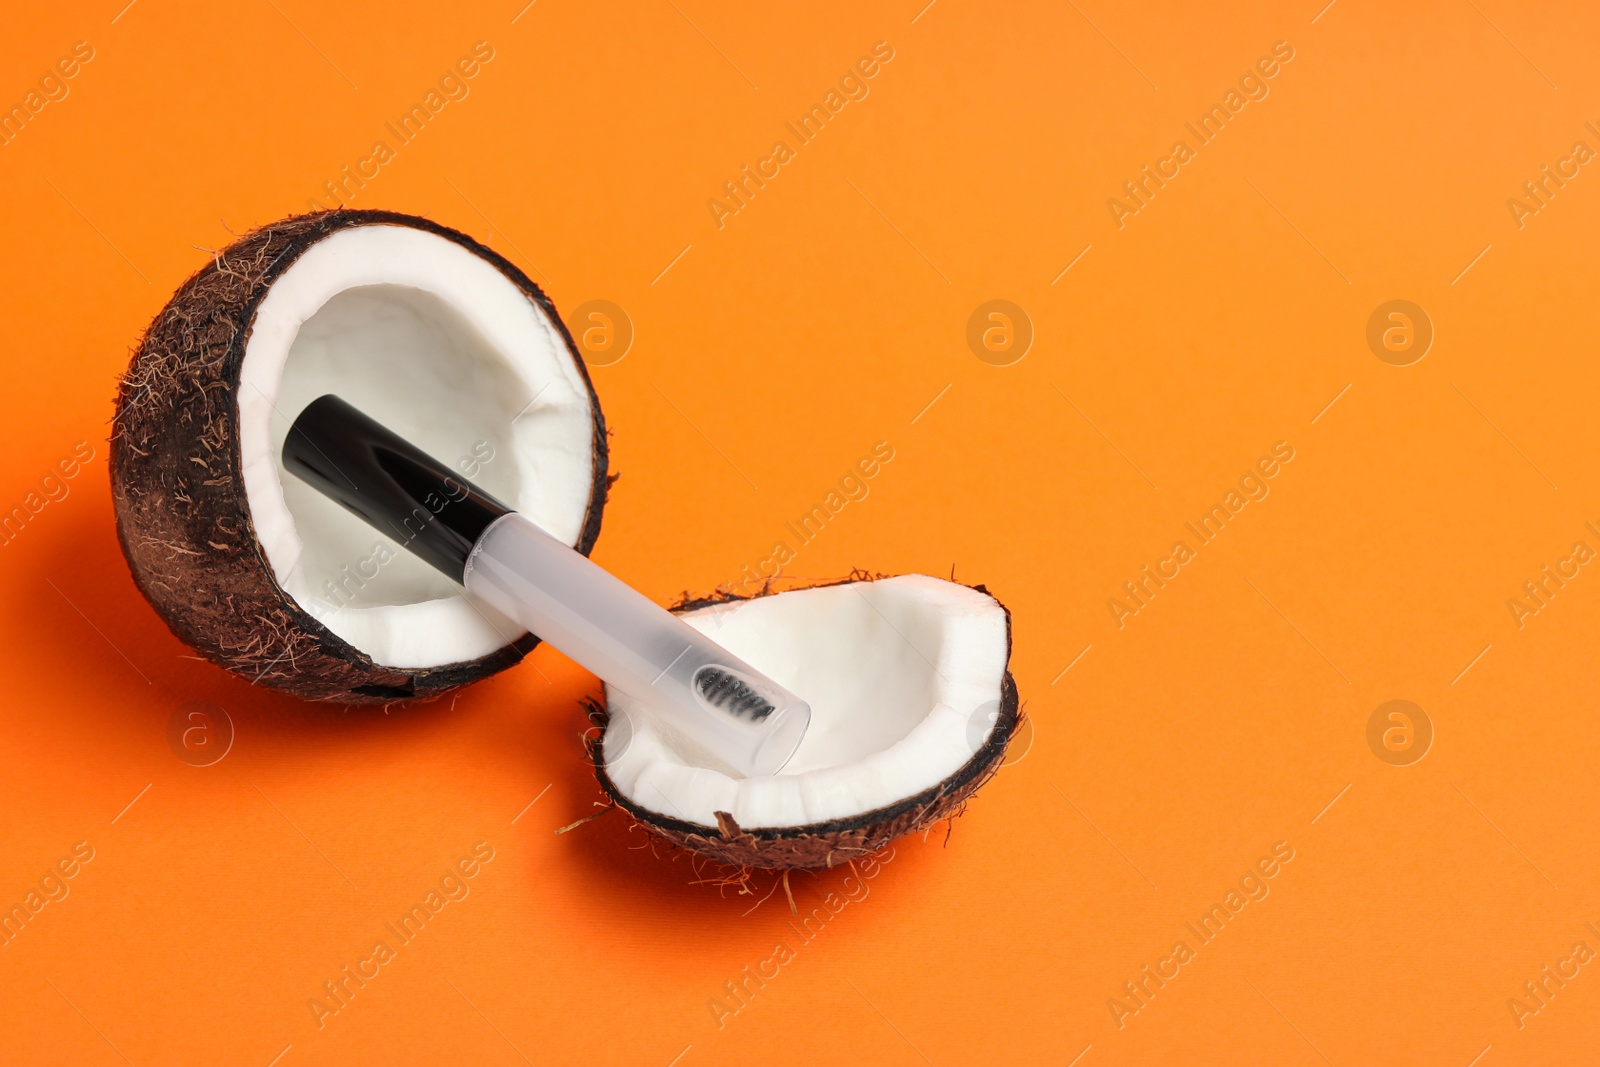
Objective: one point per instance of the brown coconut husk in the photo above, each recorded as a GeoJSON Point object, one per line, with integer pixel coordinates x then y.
{"type": "Point", "coordinates": [823, 844]}
{"type": "Point", "coordinates": [178, 489]}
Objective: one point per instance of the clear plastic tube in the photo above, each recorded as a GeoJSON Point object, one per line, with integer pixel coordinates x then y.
{"type": "Point", "coordinates": [701, 690]}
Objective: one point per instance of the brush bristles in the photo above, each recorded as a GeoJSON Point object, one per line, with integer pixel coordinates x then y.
{"type": "Point", "coordinates": [726, 690]}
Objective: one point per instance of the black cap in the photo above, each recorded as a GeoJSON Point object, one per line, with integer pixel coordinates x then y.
{"type": "Point", "coordinates": [391, 483]}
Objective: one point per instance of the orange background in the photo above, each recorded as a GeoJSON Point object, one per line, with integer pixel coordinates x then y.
{"type": "Point", "coordinates": [1228, 715]}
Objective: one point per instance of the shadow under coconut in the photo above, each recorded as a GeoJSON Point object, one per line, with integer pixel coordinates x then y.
{"type": "Point", "coordinates": [700, 908]}
{"type": "Point", "coordinates": [623, 869]}
{"type": "Point", "coordinates": [96, 626]}
{"type": "Point", "coordinates": [96, 619]}
{"type": "Point", "coordinates": [612, 868]}
{"type": "Point", "coordinates": [93, 626]}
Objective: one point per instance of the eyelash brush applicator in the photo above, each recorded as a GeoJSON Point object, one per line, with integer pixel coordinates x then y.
{"type": "Point", "coordinates": [507, 562]}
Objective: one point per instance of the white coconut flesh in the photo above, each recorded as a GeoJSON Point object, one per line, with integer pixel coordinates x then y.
{"type": "Point", "coordinates": [903, 676]}
{"type": "Point", "coordinates": [437, 344]}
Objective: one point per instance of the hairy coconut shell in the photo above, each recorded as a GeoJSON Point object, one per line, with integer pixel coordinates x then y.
{"type": "Point", "coordinates": [837, 841]}
{"type": "Point", "coordinates": [178, 487]}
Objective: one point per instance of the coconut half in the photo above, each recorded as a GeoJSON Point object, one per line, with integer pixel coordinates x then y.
{"type": "Point", "coordinates": [423, 328]}
{"type": "Point", "coordinates": [912, 708]}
